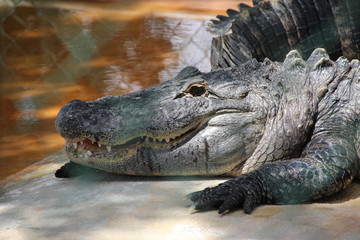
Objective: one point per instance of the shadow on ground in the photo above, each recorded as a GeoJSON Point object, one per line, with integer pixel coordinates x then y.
{"type": "Point", "coordinates": [36, 205]}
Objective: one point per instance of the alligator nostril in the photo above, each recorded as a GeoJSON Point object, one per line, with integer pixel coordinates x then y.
{"type": "Point", "coordinates": [72, 107]}
{"type": "Point", "coordinates": [69, 115]}
{"type": "Point", "coordinates": [76, 102]}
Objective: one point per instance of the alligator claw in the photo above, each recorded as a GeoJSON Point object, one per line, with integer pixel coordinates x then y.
{"type": "Point", "coordinates": [228, 196]}
{"type": "Point", "coordinates": [193, 196]}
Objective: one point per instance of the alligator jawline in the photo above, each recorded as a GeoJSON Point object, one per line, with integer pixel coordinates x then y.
{"type": "Point", "coordinates": [88, 147]}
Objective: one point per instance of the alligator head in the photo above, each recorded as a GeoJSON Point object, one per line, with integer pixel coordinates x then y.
{"type": "Point", "coordinates": [194, 124]}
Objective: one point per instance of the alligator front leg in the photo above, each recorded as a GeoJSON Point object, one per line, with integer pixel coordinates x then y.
{"type": "Point", "coordinates": [328, 165]}
{"type": "Point", "coordinates": [246, 192]}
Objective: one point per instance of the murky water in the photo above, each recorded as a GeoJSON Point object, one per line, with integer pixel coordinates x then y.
{"type": "Point", "coordinates": [51, 54]}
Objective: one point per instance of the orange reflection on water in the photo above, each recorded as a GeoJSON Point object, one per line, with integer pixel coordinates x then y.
{"type": "Point", "coordinates": [61, 51]}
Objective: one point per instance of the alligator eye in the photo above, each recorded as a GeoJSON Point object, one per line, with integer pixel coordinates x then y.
{"type": "Point", "coordinates": [196, 90]}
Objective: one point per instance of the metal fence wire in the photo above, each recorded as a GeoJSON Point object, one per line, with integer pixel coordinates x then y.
{"type": "Point", "coordinates": [64, 42]}
{"type": "Point", "coordinates": [52, 52]}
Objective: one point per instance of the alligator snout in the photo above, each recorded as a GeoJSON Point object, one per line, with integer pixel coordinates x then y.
{"type": "Point", "coordinates": [72, 109]}
{"type": "Point", "coordinates": [70, 118]}
{"type": "Point", "coordinates": [79, 119]}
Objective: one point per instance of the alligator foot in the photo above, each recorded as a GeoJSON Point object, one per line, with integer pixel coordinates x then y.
{"type": "Point", "coordinates": [73, 170]}
{"type": "Point", "coordinates": [241, 192]}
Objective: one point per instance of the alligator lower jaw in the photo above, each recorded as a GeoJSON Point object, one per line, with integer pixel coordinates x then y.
{"type": "Point", "coordinates": [87, 148]}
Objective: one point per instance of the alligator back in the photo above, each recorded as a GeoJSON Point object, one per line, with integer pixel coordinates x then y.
{"type": "Point", "coordinates": [272, 29]}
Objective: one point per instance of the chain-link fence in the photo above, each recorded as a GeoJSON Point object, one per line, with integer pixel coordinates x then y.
{"type": "Point", "coordinates": [57, 43]}
{"type": "Point", "coordinates": [56, 51]}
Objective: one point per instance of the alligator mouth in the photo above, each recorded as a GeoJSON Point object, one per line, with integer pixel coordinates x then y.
{"type": "Point", "coordinates": [87, 148]}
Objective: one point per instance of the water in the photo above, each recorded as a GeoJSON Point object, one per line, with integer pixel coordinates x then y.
{"type": "Point", "coordinates": [54, 52]}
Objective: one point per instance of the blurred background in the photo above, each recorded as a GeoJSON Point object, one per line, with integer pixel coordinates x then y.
{"type": "Point", "coordinates": [56, 51]}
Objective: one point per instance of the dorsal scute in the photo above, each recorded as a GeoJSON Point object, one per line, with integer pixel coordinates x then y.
{"type": "Point", "coordinates": [355, 63]}
{"type": "Point", "coordinates": [343, 66]}
{"type": "Point", "coordinates": [316, 56]}
{"type": "Point", "coordinates": [222, 25]}
{"type": "Point", "coordinates": [356, 78]}
{"type": "Point", "coordinates": [293, 54]}
{"type": "Point", "coordinates": [243, 7]}
{"type": "Point", "coordinates": [322, 72]}
{"type": "Point", "coordinates": [294, 63]}
{"type": "Point", "coordinates": [232, 13]}
{"type": "Point", "coordinates": [355, 68]}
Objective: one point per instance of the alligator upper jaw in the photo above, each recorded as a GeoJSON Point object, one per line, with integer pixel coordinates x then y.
{"type": "Point", "coordinates": [87, 148]}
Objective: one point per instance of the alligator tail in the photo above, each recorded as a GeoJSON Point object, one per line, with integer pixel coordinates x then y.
{"type": "Point", "coordinates": [272, 29]}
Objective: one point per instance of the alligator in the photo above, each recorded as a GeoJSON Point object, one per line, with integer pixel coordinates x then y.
{"type": "Point", "coordinates": [272, 29]}
{"type": "Point", "coordinates": [289, 132]}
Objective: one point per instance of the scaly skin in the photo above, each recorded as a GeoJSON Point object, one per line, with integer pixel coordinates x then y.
{"type": "Point", "coordinates": [271, 29]}
{"type": "Point", "coordinates": [303, 117]}
{"type": "Point", "coordinates": [289, 130]}
{"type": "Point", "coordinates": [328, 164]}
{"type": "Point", "coordinates": [197, 109]}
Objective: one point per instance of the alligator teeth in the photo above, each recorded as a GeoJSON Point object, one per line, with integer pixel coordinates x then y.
{"type": "Point", "coordinates": [108, 148]}
{"type": "Point", "coordinates": [149, 139]}
{"type": "Point", "coordinates": [82, 142]}
{"type": "Point", "coordinates": [75, 145]}
{"type": "Point", "coordinates": [89, 153]}
{"type": "Point", "coordinates": [99, 144]}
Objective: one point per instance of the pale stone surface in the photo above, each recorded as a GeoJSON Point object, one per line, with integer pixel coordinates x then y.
{"type": "Point", "coordinates": [36, 205]}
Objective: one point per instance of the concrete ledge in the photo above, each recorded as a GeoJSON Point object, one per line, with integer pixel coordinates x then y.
{"type": "Point", "coordinates": [36, 205]}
